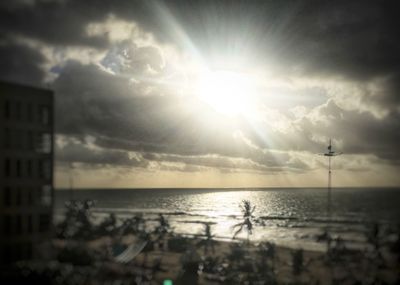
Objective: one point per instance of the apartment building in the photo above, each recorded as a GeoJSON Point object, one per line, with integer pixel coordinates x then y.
{"type": "Point", "coordinates": [26, 170]}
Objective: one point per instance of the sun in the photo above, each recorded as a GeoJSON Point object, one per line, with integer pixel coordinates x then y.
{"type": "Point", "coordinates": [226, 91]}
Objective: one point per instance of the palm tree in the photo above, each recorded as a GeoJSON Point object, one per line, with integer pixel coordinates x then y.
{"type": "Point", "coordinates": [248, 220]}
{"type": "Point", "coordinates": [134, 225]}
{"type": "Point", "coordinates": [77, 222]}
{"type": "Point", "coordinates": [162, 230]}
{"type": "Point", "coordinates": [108, 227]}
{"type": "Point", "coordinates": [208, 242]}
{"type": "Point", "coordinates": [266, 266]}
{"type": "Point", "coordinates": [297, 262]}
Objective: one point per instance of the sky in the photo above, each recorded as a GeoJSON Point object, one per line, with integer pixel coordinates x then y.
{"type": "Point", "coordinates": [212, 93]}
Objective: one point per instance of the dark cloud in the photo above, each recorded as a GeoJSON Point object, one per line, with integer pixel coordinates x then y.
{"type": "Point", "coordinates": [129, 59]}
{"type": "Point", "coordinates": [352, 40]}
{"type": "Point", "coordinates": [112, 106]}
{"type": "Point", "coordinates": [79, 151]}
{"type": "Point", "coordinates": [21, 64]}
{"type": "Point", "coordinates": [387, 94]}
{"type": "Point", "coordinates": [360, 132]}
{"type": "Point", "coordinates": [55, 22]}
{"type": "Point", "coordinates": [108, 107]}
{"type": "Point", "coordinates": [263, 164]}
{"type": "Point", "coordinates": [164, 128]}
{"type": "Point", "coordinates": [357, 39]}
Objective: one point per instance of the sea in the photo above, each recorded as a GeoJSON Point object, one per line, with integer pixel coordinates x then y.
{"type": "Point", "coordinates": [292, 217]}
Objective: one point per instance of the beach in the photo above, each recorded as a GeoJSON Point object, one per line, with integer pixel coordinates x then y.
{"type": "Point", "coordinates": [235, 262]}
{"type": "Point", "coordinates": [215, 237]}
{"type": "Point", "coordinates": [120, 250]}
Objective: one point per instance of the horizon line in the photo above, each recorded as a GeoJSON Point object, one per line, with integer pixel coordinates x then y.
{"type": "Point", "coordinates": [217, 188]}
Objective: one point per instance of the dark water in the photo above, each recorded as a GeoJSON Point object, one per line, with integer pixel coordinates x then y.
{"type": "Point", "coordinates": [292, 216]}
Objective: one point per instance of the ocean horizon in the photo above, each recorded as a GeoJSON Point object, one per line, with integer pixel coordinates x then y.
{"type": "Point", "coordinates": [224, 188]}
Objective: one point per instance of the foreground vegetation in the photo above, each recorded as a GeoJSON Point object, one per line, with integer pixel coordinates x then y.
{"type": "Point", "coordinates": [84, 253]}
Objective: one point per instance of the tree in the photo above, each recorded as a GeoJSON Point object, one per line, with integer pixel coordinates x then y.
{"type": "Point", "coordinates": [134, 225]}
{"type": "Point", "coordinates": [248, 220]}
{"type": "Point", "coordinates": [77, 221]}
{"type": "Point", "coordinates": [108, 227]}
{"type": "Point", "coordinates": [162, 230]}
{"type": "Point", "coordinates": [208, 242]}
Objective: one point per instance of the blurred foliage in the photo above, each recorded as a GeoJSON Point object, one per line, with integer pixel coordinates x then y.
{"type": "Point", "coordinates": [208, 243]}
{"type": "Point", "coordinates": [178, 244]}
{"type": "Point", "coordinates": [76, 255]}
{"type": "Point", "coordinates": [77, 223]}
{"type": "Point", "coordinates": [242, 263]}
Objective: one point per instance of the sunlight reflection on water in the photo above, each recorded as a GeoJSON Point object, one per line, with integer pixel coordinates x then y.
{"type": "Point", "coordinates": [293, 216]}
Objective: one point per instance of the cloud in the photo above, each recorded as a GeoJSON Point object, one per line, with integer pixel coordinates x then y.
{"type": "Point", "coordinates": [113, 110]}
{"type": "Point", "coordinates": [70, 150]}
{"type": "Point", "coordinates": [20, 63]}
{"type": "Point", "coordinates": [116, 71]}
{"type": "Point", "coordinates": [357, 39]}
{"type": "Point", "coordinates": [55, 22]}
{"type": "Point", "coordinates": [128, 58]}
{"type": "Point", "coordinates": [359, 132]}
{"type": "Point", "coordinates": [166, 128]}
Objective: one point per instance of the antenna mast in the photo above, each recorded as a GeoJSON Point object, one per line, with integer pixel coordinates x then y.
{"type": "Point", "coordinates": [330, 153]}
{"type": "Point", "coordinates": [71, 181]}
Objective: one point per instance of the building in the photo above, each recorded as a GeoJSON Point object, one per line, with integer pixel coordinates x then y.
{"type": "Point", "coordinates": [26, 170]}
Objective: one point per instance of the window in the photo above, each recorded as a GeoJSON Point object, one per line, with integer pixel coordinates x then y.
{"type": "Point", "coordinates": [7, 138]}
{"type": "Point", "coordinates": [30, 196]}
{"type": "Point", "coordinates": [7, 196]}
{"type": "Point", "coordinates": [18, 199]}
{"type": "Point", "coordinates": [40, 168]}
{"type": "Point", "coordinates": [7, 167]}
{"type": "Point", "coordinates": [7, 113]}
{"type": "Point", "coordinates": [15, 139]}
{"type": "Point", "coordinates": [36, 195]}
{"type": "Point", "coordinates": [45, 171]}
{"type": "Point", "coordinates": [17, 252]}
{"type": "Point", "coordinates": [29, 112]}
{"type": "Point", "coordinates": [18, 139]}
{"type": "Point", "coordinates": [18, 229]}
{"type": "Point", "coordinates": [7, 224]}
{"type": "Point", "coordinates": [18, 111]}
{"type": "Point", "coordinates": [25, 140]}
{"type": "Point", "coordinates": [29, 168]}
{"type": "Point", "coordinates": [18, 168]}
{"type": "Point", "coordinates": [7, 254]}
{"type": "Point", "coordinates": [30, 224]}
{"type": "Point", "coordinates": [44, 115]}
{"type": "Point", "coordinates": [26, 250]}
{"type": "Point", "coordinates": [43, 143]}
{"type": "Point", "coordinates": [45, 198]}
{"type": "Point", "coordinates": [31, 141]}
{"type": "Point", "coordinates": [44, 222]}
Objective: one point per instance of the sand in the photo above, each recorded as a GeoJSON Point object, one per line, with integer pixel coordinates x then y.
{"type": "Point", "coordinates": [313, 267]}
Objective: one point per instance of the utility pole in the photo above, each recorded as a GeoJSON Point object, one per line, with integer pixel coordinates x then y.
{"type": "Point", "coordinates": [330, 154]}
{"type": "Point", "coordinates": [71, 181]}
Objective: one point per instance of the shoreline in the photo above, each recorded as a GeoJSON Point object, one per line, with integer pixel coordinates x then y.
{"type": "Point", "coordinates": [89, 247]}
{"type": "Point", "coordinates": [167, 262]}
{"type": "Point", "coordinates": [150, 247]}
{"type": "Point", "coordinates": [306, 242]}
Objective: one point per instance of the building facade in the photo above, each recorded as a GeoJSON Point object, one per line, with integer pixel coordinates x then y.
{"type": "Point", "coordinates": [26, 170]}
